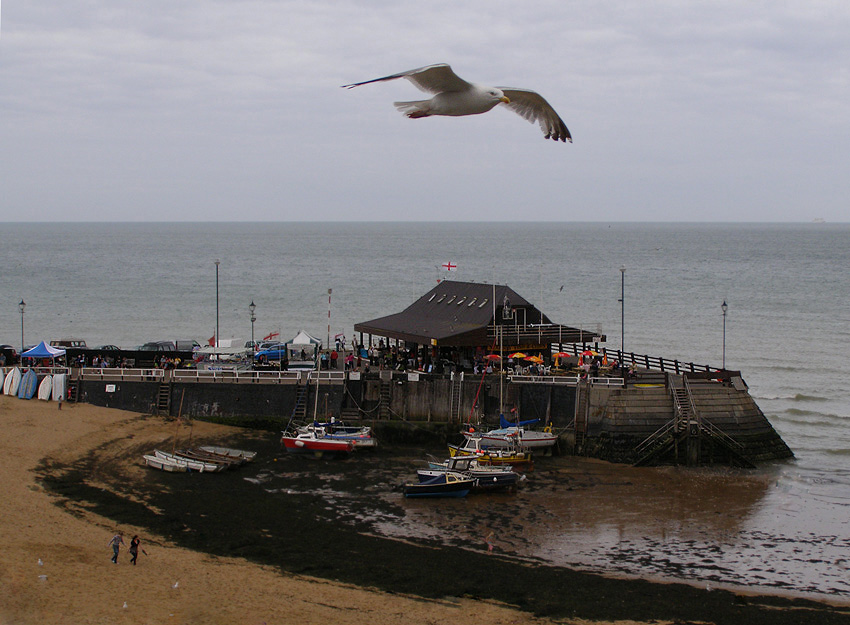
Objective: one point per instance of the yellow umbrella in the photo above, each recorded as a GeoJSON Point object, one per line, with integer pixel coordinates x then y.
{"type": "Point", "coordinates": [535, 359]}
{"type": "Point", "coordinates": [516, 355]}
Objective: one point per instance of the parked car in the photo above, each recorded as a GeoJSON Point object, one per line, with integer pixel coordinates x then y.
{"type": "Point", "coordinates": [159, 346]}
{"type": "Point", "coordinates": [107, 348]}
{"type": "Point", "coordinates": [66, 343]}
{"type": "Point", "coordinates": [9, 355]}
{"type": "Point", "coordinates": [187, 345]}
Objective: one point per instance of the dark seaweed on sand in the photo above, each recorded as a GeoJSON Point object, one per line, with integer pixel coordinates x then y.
{"type": "Point", "coordinates": [322, 525]}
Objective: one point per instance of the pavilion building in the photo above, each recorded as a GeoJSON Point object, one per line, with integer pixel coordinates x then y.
{"type": "Point", "coordinates": [463, 321]}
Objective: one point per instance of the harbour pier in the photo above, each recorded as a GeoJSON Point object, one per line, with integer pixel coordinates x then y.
{"type": "Point", "coordinates": [463, 354]}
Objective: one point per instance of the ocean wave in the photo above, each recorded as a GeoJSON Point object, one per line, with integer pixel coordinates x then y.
{"type": "Point", "coordinates": [795, 397]}
{"type": "Point", "coordinates": [803, 412]}
{"type": "Point", "coordinates": [802, 397]}
{"type": "Point", "coordinates": [845, 451]}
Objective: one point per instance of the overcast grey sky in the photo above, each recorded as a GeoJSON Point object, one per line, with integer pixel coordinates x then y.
{"type": "Point", "coordinates": [232, 110]}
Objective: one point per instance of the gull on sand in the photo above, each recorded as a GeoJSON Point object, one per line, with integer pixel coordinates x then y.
{"type": "Point", "coordinates": [455, 97]}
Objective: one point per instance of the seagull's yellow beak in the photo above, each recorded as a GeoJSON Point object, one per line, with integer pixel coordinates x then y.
{"type": "Point", "coordinates": [505, 99]}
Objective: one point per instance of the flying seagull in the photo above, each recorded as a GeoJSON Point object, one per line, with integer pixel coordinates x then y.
{"type": "Point", "coordinates": [456, 97]}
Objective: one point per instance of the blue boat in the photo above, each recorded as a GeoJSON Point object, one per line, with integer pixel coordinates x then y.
{"type": "Point", "coordinates": [483, 477]}
{"type": "Point", "coordinates": [444, 485]}
{"type": "Point", "coordinates": [28, 385]}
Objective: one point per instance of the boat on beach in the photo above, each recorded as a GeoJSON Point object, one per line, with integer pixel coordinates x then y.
{"type": "Point", "coordinates": [205, 456]}
{"type": "Point", "coordinates": [247, 456]}
{"type": "Point", "coordinates": [484, 477]}
{"type": "Point", "coordinates": [360, 436]}
{"type": "Point", "coordinates": [513, 457]}
{"type": "Point", "coordinates": [162, 464]}
{"type": "Point", "coordinates": [446, 484]}
{"type": "Point", "coordinates": [309, 441]}
{"type": "Point", "coordinates": [28, 385]}
{"type": "Point", "coordinates": [12, 381]}
{"type": "Point", "coordinates": [194, 465]}
{"type": "Point", "coordinates": [515, 435]}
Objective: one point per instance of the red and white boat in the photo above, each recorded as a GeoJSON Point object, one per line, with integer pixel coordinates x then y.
{"type": "Point", "coordinates": [309, 441]}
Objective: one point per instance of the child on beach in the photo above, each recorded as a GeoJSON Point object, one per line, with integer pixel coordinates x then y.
{"type": "Point", "coordinates": [134, 549]}
{"type": "Point", "coordinates": [116, 543]}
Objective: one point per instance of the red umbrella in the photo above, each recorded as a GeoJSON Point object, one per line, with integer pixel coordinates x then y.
{"type": "Point", "coordinates": [492, 357]}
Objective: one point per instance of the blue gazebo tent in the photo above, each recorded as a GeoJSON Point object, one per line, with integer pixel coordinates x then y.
{"type": "Point", "coordinates": [43, 350]}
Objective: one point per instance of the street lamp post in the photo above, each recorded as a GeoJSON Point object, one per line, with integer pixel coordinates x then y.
{"type": "Point", "coordinates": [252, 307]}
{"type": "Point", "coordinates": [330, 291]}
{"type": "Point", "coordinates": [724, 307]}
{"type": "Point", "coordinates": [217, 334]}
{"type": "Point", "coordinates": [622, 312]}
{"type": "Point", "coordinates": [21, 307]}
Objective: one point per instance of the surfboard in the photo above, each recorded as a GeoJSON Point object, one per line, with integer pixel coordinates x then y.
{"type": "Point", "coordinates": [59, 386]}
{"type": "Point", "coordinates": [45, 389]}
{"type": "Point", "coordinates": [28, 386]}
{"type": "Point", "coordinates": [13, 380]}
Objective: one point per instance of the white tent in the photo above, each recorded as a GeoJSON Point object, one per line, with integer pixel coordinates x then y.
{"type": "Point", "coordinates": [302, 339]}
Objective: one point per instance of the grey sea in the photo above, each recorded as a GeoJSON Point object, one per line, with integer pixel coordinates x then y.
{"type": "Point", "coordinates": [782, 527]}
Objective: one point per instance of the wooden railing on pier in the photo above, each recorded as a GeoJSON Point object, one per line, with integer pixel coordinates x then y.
{"type": "Point", "coordinates": [210, 375]}
{"type": "Point", "coordinates": [656, 363]}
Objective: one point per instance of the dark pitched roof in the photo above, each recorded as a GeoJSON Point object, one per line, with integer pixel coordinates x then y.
{"type": "Point", "coordinates": [454, 313]}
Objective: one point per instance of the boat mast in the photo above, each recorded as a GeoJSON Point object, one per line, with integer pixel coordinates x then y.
{"type": "Point", "coordinates": [500, 330]}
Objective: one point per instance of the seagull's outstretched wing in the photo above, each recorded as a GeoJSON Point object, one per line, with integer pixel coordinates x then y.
{"type": "Point", "coordinates": [534, 107]}
{"type": "Point", "coordinates": [431, 79]}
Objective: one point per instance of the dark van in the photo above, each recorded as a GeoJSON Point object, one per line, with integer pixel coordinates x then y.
{"type": "Point", "coordinates": [159, 346]}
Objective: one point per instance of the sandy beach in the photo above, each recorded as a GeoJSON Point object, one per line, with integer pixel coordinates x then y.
{"type": "Point", "coordinates": [55, 560]}
{"type": "Point", "coordinates": [77, 583]}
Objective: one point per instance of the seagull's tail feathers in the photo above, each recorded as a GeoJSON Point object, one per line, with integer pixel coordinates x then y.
{"type": "Point", "coordinates": [414, 109]}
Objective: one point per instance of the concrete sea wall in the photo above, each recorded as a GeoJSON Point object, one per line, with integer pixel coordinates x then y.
{"type": "Point", "coordinates": [603, 420]}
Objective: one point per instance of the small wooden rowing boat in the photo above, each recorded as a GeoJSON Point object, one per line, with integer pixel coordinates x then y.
{"type": "Point", "coordinates": [164, 465]}
{"type": "Point", "coordinates": [194, 465]}
{"type": "Point", "coordinates": [247, 456]}
{"type": "Point", "coordinates": [206, 456]}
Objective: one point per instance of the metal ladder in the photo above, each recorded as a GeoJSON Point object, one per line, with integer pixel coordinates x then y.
{"type": "Point", "coordinates": [163, 399]}
{"type": "Point", "coordinates": [300, 409]}
{"type": "Point", "coordinates": [456, 396]}
{"type": "Point", "coordinates": [580, 421]}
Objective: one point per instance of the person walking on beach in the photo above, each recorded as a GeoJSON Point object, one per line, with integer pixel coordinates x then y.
{"type": "Point", "coordinates": [116, 543]}
{"type": "Point", "coordinates": [134, 549]}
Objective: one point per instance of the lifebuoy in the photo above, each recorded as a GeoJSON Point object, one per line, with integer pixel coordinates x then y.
{"type": "Point", "coordinates": [548, 429]}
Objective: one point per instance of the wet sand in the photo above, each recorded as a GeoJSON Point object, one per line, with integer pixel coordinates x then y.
{"type": "Point", "coordinates": [72, 478]}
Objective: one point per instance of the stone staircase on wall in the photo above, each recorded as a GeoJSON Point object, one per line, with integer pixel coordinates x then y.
{"type": "Point", "coordinates": [385, 399]}
{"type": "Point", "coordinates": [163, 399]}
{"type": "Point", "coordinates": [688, 438]}
{"type": "Point", "coordinates": [580, 421]}
{"type": "Point", "coordinates": [299, 411]}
